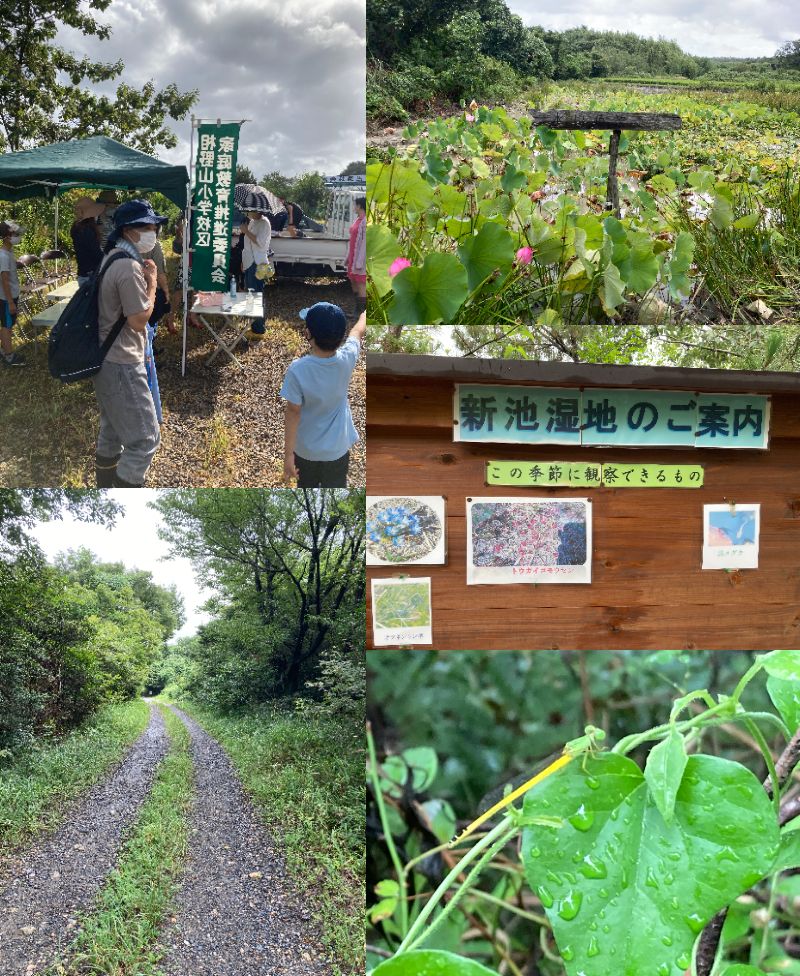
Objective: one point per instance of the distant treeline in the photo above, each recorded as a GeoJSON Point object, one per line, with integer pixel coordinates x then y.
{"type": "Point", "coordinates": [426, 50]}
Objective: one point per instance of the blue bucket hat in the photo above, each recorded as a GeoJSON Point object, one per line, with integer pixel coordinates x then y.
{"type": "Point", "coordinates": [326, 322]}
{"type": "Point", "coordinates": [136, 212]}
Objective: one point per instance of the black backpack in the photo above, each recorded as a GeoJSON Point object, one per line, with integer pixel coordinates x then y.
{"type": "Point", "coordinates": [74, 351]}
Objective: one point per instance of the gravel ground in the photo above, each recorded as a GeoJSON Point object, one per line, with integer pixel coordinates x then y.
{"type": "Point", "coordinates": [223, 426]}
{"type": "Point", "coordinates": [237, 912]}
{"type": "Point", "coordinates": [60, 877]}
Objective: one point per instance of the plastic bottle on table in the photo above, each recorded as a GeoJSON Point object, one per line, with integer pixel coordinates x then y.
{"type": "Point", "coordinates": [233, 288]}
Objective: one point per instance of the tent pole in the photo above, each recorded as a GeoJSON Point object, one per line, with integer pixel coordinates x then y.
{"type": "Point", "coordinates": [187, 224]}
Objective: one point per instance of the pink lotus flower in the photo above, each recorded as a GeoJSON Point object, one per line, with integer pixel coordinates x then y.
{"type": "Point", "coordinates": [469, 118]}
{"type": "Point", "coordinates": [525, 255]}
{"type": "Point", "coordinates": [398, 265]}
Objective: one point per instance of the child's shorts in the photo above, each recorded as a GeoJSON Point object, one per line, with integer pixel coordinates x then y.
{"type": "Point", "coordinates": [7, 320]}
{"type": "Point", "coordinates": [322, 474]}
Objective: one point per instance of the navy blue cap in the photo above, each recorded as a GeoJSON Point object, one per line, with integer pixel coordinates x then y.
{"type": "Point", "coordinates": [326, 322]}
{"type": "Point", "coordinates": [136, 212]}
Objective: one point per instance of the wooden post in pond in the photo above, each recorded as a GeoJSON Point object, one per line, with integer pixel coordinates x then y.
{"type": "Point", "coordinates": [616, 122]}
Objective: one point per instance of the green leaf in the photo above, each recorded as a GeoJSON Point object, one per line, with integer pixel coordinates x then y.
{"type": "Point", "coordinates": [702, 180]}
{"type": "Point", "coordinates": [382, 249]}
{"type": "Point", "coordinates": [788, 855]}
{"type": "Point", "coordinates": [437, 168]}
{"type": "Point", "coordinates": [677, 267]}
{"type": "Point", "coordinates": [721, 215]}
{"type": "Point", "coordinates": [387, 888]}
{"type": "Point", "coordinates": [741, 969]}
{"type": "Point", "coordinates": [618, 864]}
{"type": "Point", "coordinates": [612, 292]}
{"type": "Point", "coordinates": [491, 249]}
{"type": "Point", "coordinates": [401, 181]}
{"type": "Point", "coordinates": [430, 294]}
{"type": "Point", "coordinates": [416, 768]}
{"type": "Point", "coordinates": [782, 664]}
{"type": "Point", "coordinates": [382, 910]}
{"type": "Point", "coordinates": [431, 963]}
{"type": "Point", "coordinates": [513, 179]}
{"type": "Point", "coordinates": [785, 697]}
{"type": "Point", "coordinates": [491, 131]}
{"type": "Point", "coordinates": [640, 268]}
{"type": "Point", "coordinates": [424, 764]}
{"type": "Point", "coordinates": [664, 772]}
{"type": "Point", "coordinates": [747, 222]}
{"type": "Point", "coordinates": [442, 819]}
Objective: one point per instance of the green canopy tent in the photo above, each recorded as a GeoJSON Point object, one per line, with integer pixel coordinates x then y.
{"type": "Point", "coordinates": [48, 171]}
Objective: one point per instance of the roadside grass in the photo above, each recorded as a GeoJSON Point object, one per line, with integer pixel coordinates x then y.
{"type": "Point", "coordinates": [119, 937]}
{"type": "Point", "coordinates": [37, 783]}
{"type": "Point", "coordinates": [305, 775]}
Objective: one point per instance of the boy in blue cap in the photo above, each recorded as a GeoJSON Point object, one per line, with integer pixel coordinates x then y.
{"type": "Point", "coordinates": [319, 425]}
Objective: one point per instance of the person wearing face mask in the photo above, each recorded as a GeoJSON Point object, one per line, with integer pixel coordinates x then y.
{"type": "Point", "coordinates": [10, 235]}
{"type": "Point", "coordinates": [129, 431]}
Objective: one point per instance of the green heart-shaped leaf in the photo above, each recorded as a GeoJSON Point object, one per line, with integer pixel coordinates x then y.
{"type": "Point", "coordinates": [430, 294]}
{"type": "Point", "coordinates": [785, 697]}
{"type": "Point", "coordinates": [491, 249]}
{"type": "Point", "coordinates": [431, 963]}
{"type": "Point", "coordinates": [783, 664]}
{"type": "Point", "coordinates": [615, 880]}
{"type": "Point", "coordinates": [382, 249]}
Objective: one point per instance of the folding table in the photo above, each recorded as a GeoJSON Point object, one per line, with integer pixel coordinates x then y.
{"type": "Point", "coordinates": [230, 312]}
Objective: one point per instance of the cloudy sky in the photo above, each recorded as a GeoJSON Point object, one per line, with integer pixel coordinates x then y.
{"type": "Point", "coordinates": [719, 28]}
{"type": "Point", "coordinates": [133, 541]}
{"type": "Point", "coordinates": [294, 67]}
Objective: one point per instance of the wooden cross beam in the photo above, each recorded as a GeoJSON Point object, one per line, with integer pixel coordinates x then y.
{"type": "Point", "coordinates": [616, 122]}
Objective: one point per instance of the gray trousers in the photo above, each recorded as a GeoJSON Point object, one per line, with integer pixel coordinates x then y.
{"type": "Point", "coordinates": [128, 422]}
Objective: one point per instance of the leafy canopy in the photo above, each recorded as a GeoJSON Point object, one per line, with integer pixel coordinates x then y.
{"type": "Point", "coordinates": [46, 92]}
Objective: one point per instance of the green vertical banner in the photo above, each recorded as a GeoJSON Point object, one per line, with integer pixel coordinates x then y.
{"type": "Point", "coordinates": [212, 206]}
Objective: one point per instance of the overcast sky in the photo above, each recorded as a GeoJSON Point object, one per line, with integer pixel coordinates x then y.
{"type": "Point", "coordinates": [718, 28]}
{"type": "Point", "coordinates": [295, 67]}
{"type": "Point", "coordinates": [134, 542]}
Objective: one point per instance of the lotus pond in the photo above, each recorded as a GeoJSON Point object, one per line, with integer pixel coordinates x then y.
{"type": "Point", "coordinates": [485, 217]}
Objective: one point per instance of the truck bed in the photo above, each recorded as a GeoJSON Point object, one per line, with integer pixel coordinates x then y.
{"type": "Point", "coordinates": [313, 254]}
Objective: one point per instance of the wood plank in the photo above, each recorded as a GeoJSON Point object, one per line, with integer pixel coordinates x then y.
{"type": "Point", "coordinates": [621, 627]}
{"type": "Point", "coordinates": [648, 588]}
{"type": "Point", "coordinates": [455, 369]}
{"type": "Point", "coordinates": [423, 462]}
{"type": "Point", "coordinates": [641, 121]}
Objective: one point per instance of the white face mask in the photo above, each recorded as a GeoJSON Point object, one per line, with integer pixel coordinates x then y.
{"type": "Point", "coordinates": [15, 238]}
{"type": "Point", "coordinates": [146, 242]}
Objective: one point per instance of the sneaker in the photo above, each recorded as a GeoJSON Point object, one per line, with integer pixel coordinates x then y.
{"type": "Point", "coordinates": [15, 359]}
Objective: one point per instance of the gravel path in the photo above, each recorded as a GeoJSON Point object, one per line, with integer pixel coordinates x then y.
{"type": "Point", "coordinates": [237, 912]}
{"type": "Point", "coordinates": [60, 876]}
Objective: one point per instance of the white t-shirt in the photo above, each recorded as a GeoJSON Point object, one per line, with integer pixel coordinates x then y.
{"type": "Point", "coordinates": [257, 253]}
{"type": "Point", "coordinates": [8, 262]}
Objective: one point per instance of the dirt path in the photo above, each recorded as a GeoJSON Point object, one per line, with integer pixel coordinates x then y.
{"type": "Point", "coordinates": [237, 912]}
{"type": "Point", "coordinates": [60, 876]}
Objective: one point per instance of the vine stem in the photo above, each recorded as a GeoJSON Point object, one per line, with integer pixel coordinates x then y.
{"type": "Point", "coordinates": [387, 832]}
{"type": "Point", "coordinates": [503, 828]}
{"type": "Point", "coordinates": [465, 886]}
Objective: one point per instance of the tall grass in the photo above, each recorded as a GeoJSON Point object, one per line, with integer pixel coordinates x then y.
{"type": "Point", "coordinates": [739, 266]}
{"type": "Point", "coordinates": [37, 783]}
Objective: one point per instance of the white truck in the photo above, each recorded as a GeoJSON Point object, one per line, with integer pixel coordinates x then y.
{"type": "Point", "coordinates": [319, 253]}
